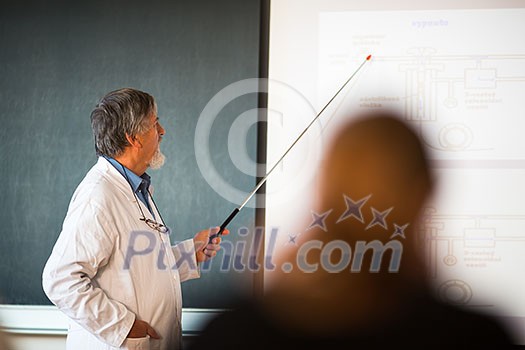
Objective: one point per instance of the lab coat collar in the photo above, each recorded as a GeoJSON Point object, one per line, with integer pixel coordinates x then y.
{"type": "Point", "coordinates": [114, 176]}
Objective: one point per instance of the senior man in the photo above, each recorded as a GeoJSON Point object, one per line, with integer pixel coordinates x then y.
{"type": "Point", "coordinates": [113, 270]}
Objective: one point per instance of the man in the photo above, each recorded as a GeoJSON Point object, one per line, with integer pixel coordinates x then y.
{"type": "Point", "coordinates": [113, 271]}
{"type": "Point", "coordinates": [375, 180]}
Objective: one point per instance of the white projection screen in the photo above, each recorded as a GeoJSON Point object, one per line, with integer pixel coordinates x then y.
{"type": "Point", "coordinates": [456, 70]}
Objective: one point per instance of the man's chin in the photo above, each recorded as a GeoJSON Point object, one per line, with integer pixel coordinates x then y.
{"type": "Point", "coordinates": [157, 161]}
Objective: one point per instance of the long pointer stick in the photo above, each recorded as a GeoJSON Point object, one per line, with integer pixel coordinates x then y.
{"type": "Point", "coordinates": [263, 180]}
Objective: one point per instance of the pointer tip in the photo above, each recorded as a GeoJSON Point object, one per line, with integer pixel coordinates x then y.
{"type": "Point", "coordinates": [369, 57]}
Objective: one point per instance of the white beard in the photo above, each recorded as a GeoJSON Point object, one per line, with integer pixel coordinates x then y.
{"type": "Point", "coordinates": [157, 161]}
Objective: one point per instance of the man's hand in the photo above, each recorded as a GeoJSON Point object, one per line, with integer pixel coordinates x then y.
{"type": "Point", "coordinates": [204, 250]}
{"type": "Point", "coordinates": [141, 329]}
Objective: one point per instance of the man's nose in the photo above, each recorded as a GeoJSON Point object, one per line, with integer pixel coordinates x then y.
{"type": "Point", "coordinates": [160, 130]}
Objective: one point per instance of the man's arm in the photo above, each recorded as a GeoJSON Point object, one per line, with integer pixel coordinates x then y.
{"type": "Point", "coordinates": [191, 252]}
{"type": "Point", "coordinates": [83, 247]}
{"type": "Point", "coordinates": [184, 253]}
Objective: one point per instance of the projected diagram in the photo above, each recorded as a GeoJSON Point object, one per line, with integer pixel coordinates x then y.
{"type": "Point", "coordinates": [462, 84]}
{"type": "Point", "coordinates": [482, 245]}
{"type": "Point", "coordinates": [462, 87]}
{"type": "Point", "coordinates": [442, 93]}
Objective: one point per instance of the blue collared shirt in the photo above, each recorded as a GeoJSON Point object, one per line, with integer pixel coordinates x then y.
{"type": "Point", "coordinates": [140, 184]}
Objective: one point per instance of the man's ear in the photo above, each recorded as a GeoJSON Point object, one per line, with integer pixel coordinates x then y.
{"type": "Point", "coordinates": [133, 141]}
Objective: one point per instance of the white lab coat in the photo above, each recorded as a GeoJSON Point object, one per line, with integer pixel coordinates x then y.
{"type": "Point", "coordinates": [108, 267]}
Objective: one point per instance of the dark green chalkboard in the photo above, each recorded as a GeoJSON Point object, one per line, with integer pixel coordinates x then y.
{"type": "Point", "coordinates": [57, 59]}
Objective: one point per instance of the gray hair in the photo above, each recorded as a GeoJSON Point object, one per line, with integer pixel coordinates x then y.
{"type": "Point", "coordinates": [121, 112]}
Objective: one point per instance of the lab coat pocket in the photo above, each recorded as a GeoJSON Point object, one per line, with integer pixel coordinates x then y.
{"type": "Point", "coordinates": [154, 344]}
{"type": "Point", "coordinates": [136, 344]}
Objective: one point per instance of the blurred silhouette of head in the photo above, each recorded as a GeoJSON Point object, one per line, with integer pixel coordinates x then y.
{"type": "Point", "coordinates": [378, 161]}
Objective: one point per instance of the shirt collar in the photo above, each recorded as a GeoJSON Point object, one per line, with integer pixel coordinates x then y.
{"type": "Point", "coordinates": [135, 181]}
